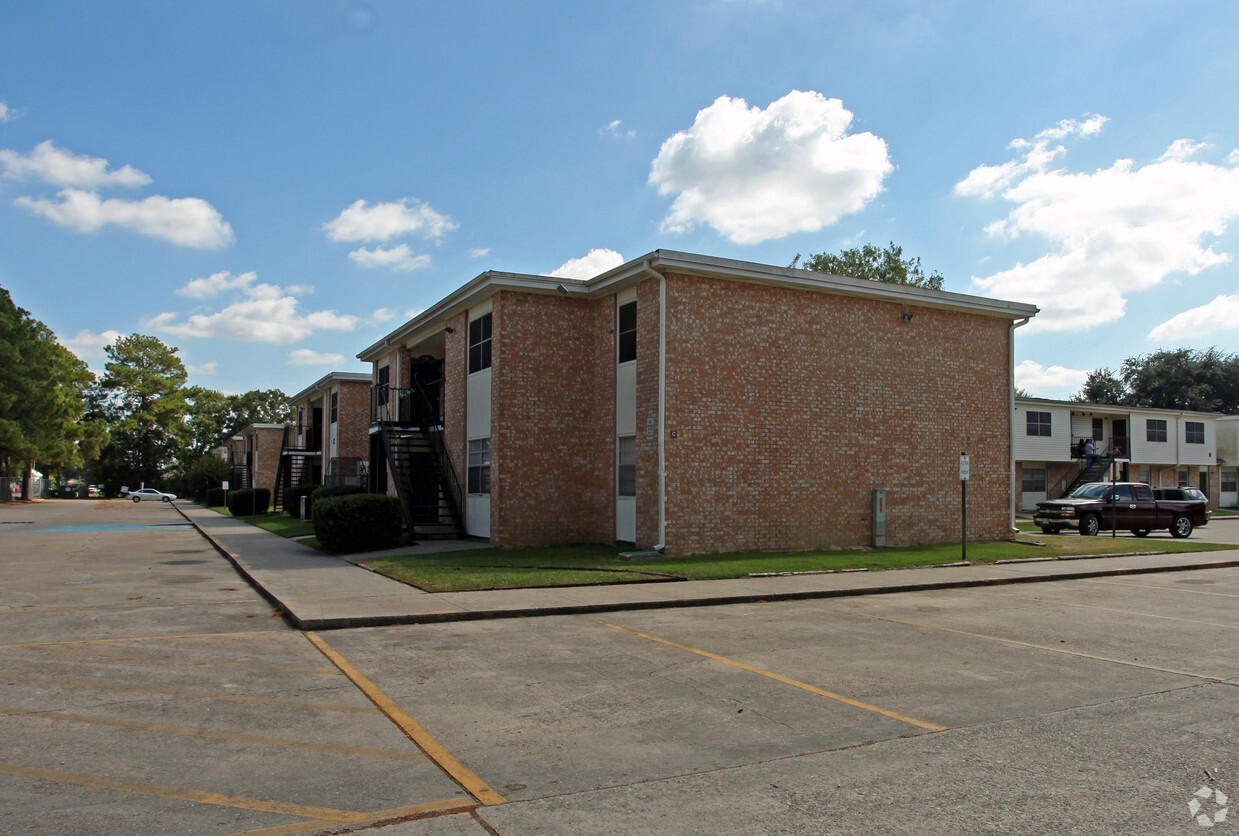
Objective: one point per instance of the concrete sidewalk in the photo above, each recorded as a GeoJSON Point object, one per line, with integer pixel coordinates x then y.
{"type": "Point", "coordinates": [316, 591]}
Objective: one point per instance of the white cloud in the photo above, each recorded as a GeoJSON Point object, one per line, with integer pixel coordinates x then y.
{"type": "Point", "coordinates": [383, 221]}
{"type": "Point", "coordinates": [205, 369]}
{"type": "Point", "coordinates": [593, 263]}
{"type": "Point", "coordinates": [186, 222]}
{"type": "Point", "coordinates": [309, 357]}
{"type": "Point", "coordinates": [396, 258]}
{"type": "Point", "coordinates": [1219, 315]}
{"type": "Point", "coordinates": [616, 129]}
{"type": "Point", "coordinates": [1048, 381]}
{"type": "Point", "coordinates": [478, 252]}
{"type": "Point", "coordinates": [1112, 232]}
{"type": "Point", "coordinates": [218, 283]}
{"type": "Point", "coordinates": [89, 346]}
{"type": "Point", "coordinates": [267, 314]}
{"type": "Point", "coordinates": [59, 167]}
{"type": "Point", "coordinates": [6, 113]}
{"type": "Point", "coordinates": [383, 315]}
{"type": "Point", "coordinates": [756, 174]}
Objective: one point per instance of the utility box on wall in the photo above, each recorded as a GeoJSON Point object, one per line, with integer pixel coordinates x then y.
{"type": "Point", "coordinates": [879, 517]}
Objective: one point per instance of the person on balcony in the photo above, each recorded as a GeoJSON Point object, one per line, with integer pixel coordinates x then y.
{"type": "Point", "coordinates": [1090, 453]}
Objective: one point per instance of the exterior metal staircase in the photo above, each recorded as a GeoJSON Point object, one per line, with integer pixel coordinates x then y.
{"type": "Point", "coordinates": [295, 463]}
{"type": "Point", "coordinates": [418, 462]}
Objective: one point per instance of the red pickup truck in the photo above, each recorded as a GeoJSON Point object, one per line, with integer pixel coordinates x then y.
{"type": "Point", "coordinates": [1102, 506]}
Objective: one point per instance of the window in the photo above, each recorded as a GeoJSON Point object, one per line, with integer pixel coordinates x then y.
{"type": "Point", "coordinates": [1183, 483]}
{"type": "Point", "coordinates": [300, 419]}
{"type": "Point", "coordinates": [1145, 475]}
{"type": "Point", "coordinates": [1230, 481]}
{"type": "Point", "coordinates": [1195, 432]}
{"type": "Point", "coordinates": [1099, 429]}
{"type": "Point", "coordinates": [479, 466]}
{"type": "Point", "coordinates": [1155, 429]}
{"type": "Point", "coordinates": [335, 403]}
{"type": "Point", "coordinates": [479, 343]}
{"type": "Point", "coordinates": [1039, 423]}
{"type": "Point", "coordinates": [627, 332]}
{"type": "Point", "coordinates": [1034, 480]}
{"type": "Point", "coordinates": [382, 379]}
{"type": "Point", "coordinates": [626, 465]}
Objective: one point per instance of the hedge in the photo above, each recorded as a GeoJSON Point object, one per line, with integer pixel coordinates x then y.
{"type": "Point", "coordinates": [248, 501]}
{"type": "Point", "coordinates": [358, 522]}
{"type": "Point", "coordinates": [292, 498]}
{"type": "Point", "coordinates": [215, 497]}
{"type": "Point", "coordinates": [324, 491]}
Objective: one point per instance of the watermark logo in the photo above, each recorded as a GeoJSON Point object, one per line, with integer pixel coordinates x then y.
{"type": "Point", "coordinates": [1208, 806]}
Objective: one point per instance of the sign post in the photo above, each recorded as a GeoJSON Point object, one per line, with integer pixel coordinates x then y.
{"type": "Point", "coordinates": [964, 470]}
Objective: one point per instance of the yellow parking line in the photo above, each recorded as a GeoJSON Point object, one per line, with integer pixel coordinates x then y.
{"type": "Point", "coordinates": [389, 754]}
{"type": "Point", "coordinates": [206, 695]}
{"type": "Point", "coordinates": [249, 601]}
{"type": "Point", "coordinates": [1032, 645]}
{"type": "Point", "coordinates": [456, 770]}
{"type": "Point", "coordinates": [924, 724]}
{"type": "Point", "coordinates": [197, 796]}
{"type": "Point", "coordinates": [175, 637]}
{"type": "Point", "coordinates": [449, 805]}
{"type": "Point", "coordinates": [187, 660]}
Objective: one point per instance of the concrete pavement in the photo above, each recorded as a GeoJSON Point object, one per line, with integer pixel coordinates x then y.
{"type": "Point", "coordinates": [316, 591]}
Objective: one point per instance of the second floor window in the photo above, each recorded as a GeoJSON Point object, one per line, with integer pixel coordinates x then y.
{"type": "Point", "coordinates": [335, 403]}
{"type": "Point", "coordinates": [479, 343]}
{"type": "Point", "coordinates": [1195, 432]}
{"type": "Point", "coordinates": [381, 379]}
{"type": "Point", "coordinates": [1039, 423]}
{"type": "Point", "coordinates": [1155, 429]}
{"type": "Point", "coordinates": [627, 332]}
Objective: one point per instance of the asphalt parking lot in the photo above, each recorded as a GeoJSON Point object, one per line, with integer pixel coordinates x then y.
{"type": "Point", "coordinates": [146, 689]}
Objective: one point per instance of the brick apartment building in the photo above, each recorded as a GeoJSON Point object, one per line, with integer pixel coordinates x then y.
{"type": "Point", "coordinates": [329, 443]}
{"type": "Point", "coordinates": [1160, 447]}
{"type": "Point", "coordinates": [695, 404]}
{"type": "Point", "coordinates": [254, 454]}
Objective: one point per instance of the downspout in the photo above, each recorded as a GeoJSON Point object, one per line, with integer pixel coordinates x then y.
{"type": "Point", "coordinates": [662, 404]}
{"type": "Point", "coordinates": [1011, 414]}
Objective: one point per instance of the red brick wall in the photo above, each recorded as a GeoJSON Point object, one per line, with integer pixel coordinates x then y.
{"type": "Point", "coordinates": [647, 408]}
{"type": "Point", "coordinates": [353, 416]}
{"type": "Point", "coordinates": [786, 408]}
{"type": "Point", "coordinates": [552, 420]}
{"type": "Point", "coordinates": [266, 442]}
{"type": "Point", "coordinates": [455, 371]}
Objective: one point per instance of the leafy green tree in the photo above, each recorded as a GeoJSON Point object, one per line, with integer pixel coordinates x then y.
{"type": "Point", "coordinates": [214, 417]}
{"type": "Point", "coordinates": [874, 264]}
{"type": "Point", "coordinates": [142, 396]}
{"type": "Point", "coordinates": [207, 472]}
{"type": "Point", "coordinates": [1101, 386]}
{"type": "Point", "coordinates": [1183, 378]}
{"type": "Point", "coordinates": [42, 403]}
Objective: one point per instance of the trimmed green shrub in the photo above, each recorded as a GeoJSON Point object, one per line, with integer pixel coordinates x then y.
{"type": "Point", "coordinates": [291, 500]}
{"type": "Point", "coordinates": [357, 523]}
{"type": "Point", "coordinates": [248, 501]}
{"type": "Point", "coordinates": [215, 497]}
{"type": "Point", "coordinates": [324, 491]}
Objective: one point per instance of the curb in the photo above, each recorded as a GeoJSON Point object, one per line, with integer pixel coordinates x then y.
{"type": "Point", "coordinates": [306, 624]}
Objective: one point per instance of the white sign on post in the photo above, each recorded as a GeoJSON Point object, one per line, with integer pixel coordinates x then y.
{"type": "Point", "coordinates": [225, 486]}
{"type": "Point", "coordinates": [964, 467]}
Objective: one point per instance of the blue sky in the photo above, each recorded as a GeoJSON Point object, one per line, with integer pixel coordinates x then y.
{"type": "Point", "coordinates": [272, 185]}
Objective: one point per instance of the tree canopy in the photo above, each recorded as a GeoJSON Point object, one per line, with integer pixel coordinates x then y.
{"type": "Point", "coordinates": [870, 262]}
{"type": "Point", "coordinates": [42, 396]}
{"type": "Point", "coordinates": [1198, 380]}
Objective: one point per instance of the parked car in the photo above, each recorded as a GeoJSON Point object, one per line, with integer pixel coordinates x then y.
{"type": "Point", "coordinates": [1102, 506]}
{"type": "Point", "coordinates": [150, 494]}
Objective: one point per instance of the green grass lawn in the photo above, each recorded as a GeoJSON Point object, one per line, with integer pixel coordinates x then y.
{"type": "Point", "coordinates": [574, 565]}
{"type": "Point", "coordinates": [274, 521]}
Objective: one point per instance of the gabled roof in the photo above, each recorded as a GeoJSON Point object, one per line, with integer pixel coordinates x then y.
{"type": "Point", "coordinates": [326, 380]}
{"type": "Point", "coordinates": [660, 262]}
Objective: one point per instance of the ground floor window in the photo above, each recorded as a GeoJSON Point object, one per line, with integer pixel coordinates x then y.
{"type": "Point", "coordinates": [626, 465]}
{"type": "Point", "coordinates": [479, 466]}
{"type": "Point", "coordinates": [1183, 483]}
{"type": "Point", "coordinates": [1229, 481]}
{"type": "Point", "coordinates": [1034, 480]}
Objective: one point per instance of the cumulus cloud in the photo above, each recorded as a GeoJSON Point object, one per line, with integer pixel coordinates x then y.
{"type": "Point", "coordinates": [383, 315]}
{"type": "Point", "coordinates": [755, 174]}
{"type": "Point", "coordinates": [266, 313]}
{"type": "Point", "coordinates": [89, 346]}
{"type": "Point", "coordinates": [1219, 315]}
{"type": "Point", "coordinates": [383, 221]}
{"type": "Point", "coordinates": [186, 221]}
{"type": "Point", "coordinates": [1048, 381]}
{"type": "Point", "coordinates": [50, 164]}
{"type": "Point", "coordinates": [6, 113]}
{"type": "Point", "coordinates": [205, 369]}
{"type": "Point", "coordinates": [593, 263]}
{"type": "Point", "coordinates": [399, 258]}
{"type": "Point", "coordinates": [209, 286]}
{"type": "Point", "coordinates": [1112, 232]}
{"type": "Point", "coordinates": [309, 357]}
